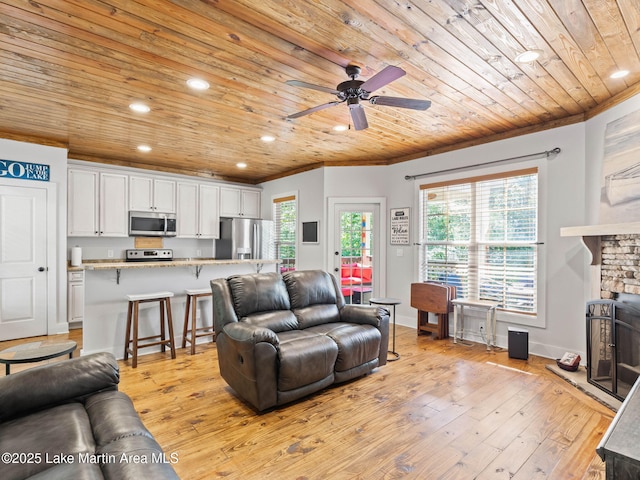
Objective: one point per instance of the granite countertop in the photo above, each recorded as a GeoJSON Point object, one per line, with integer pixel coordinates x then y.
{"type": "Point", "coordinates": [177, 262]}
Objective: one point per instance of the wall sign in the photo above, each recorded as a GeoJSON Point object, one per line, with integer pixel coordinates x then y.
{"type": "Point", "coordinates": [24, 171]}
{"type": "Point", "coordinates": [400, 220]}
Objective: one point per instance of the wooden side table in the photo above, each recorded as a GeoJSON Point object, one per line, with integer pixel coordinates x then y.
{"type": "Point", "coordinates": [389, 302]}
{"type": "Point", "coordinates": [487, 306]}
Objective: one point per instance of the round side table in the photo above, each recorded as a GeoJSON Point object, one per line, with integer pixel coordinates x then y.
{"type": "Point", "coordinates": [389, 302]}
{"type": "Point", "coordinates": [35, 352]}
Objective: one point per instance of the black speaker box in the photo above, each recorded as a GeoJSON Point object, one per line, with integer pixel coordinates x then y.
{"type": "Point", "coordinates": [518, 343]}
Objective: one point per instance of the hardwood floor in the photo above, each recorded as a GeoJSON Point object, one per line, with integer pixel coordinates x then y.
{"type": "Point", "coordinates": [442, 411]}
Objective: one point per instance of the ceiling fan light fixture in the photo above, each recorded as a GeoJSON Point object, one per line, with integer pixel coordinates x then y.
{"type": "Point", "coordinates": [197, 84]}
{"type": "Point", "coordinates": [529, 56]}
{"type": "Point", "coordinates": [619, 74]}
{"type": "Point", "coordinates": [140, 107]}
{"type": "Point", "coordinates": [267, 138]}
{"type": "Point", "coordinates": [144, 148]}
{"type": "Point", "coordinates": [241, 165]}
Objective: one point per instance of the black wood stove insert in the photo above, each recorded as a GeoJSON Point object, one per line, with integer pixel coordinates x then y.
{"type": "Point", "coordinates": [613, 344]}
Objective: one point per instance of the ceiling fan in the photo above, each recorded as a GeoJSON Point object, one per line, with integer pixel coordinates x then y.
{"type": "Point", "coordinates": [353, 91]}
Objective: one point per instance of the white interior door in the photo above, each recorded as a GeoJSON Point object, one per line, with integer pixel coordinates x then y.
{"type": "Point", "coordinates": [357, 253]}
{"type": "Point", "coordinates": [23, 262]}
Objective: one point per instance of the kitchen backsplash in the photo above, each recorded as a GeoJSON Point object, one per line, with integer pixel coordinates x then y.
{"type": "Point", "coordinates": [103, 248]}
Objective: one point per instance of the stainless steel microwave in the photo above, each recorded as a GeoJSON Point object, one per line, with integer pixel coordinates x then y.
{"type": "Point", "coordinates": [152, 224]}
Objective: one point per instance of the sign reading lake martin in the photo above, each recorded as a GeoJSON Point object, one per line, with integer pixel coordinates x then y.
{"type": "Point", "coordinates": [400, 226]}
{"type": "Point", "coordinates": [24, 171]}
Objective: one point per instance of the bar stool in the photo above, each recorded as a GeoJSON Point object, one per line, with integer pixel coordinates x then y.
{"type": "Point", "coordinates": [191, 334]}
{"type": "Point", "coordinates": [132, 314]}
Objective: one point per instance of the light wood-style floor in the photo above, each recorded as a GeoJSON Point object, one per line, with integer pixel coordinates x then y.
{"type": "Point", "coordinates": [443, 411]}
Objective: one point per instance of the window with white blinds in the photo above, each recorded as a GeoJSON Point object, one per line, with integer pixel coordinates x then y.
{"type": "Point", "coordinates": [480, 234]}
{"type": "Point", "coordinates": [285, 215]}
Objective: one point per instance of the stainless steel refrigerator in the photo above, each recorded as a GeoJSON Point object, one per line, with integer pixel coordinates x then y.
{"type": "Point", "coordinates": [245, 238]}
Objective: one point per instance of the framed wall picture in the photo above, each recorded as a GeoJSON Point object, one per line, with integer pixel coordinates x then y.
{"type": "Point", "coordinates": [310, 232]}
{"type": "Point", "coordinates": [400, 222]}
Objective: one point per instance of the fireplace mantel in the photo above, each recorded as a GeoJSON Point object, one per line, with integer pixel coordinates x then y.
{"type": "Point", "coordinates": [591, 235]}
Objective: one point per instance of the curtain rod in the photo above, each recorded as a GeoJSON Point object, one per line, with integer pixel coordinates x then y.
{"type": "Point", "coordinates": [546, 153]}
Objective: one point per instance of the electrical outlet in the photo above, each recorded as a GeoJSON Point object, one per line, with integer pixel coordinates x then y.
{"type": "Point", "coordinates": [109, 253]}
{"type": "Point", "coordinates": [198, 253]}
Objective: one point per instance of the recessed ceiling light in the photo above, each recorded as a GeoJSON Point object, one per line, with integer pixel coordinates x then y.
{"type": "Point", "coordinates": [267, 138]}
{"type": "Point", "coordinates": [529, 56]}
{"type": "Point", "coordinates": [198, 84]}
{"type": "Point", "coordinates": [341, 128]}
{"type": "Point", "coordinates": [139, 107]}
{"type": "Point", "coordinates": [619, 74]}
{"type": "Point", "coordinates": [241, 165]}
{"type": "Point", "coordinates": [144, 148]}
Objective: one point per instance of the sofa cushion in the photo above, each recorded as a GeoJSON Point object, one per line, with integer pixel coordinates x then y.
{"type": "Point", "coordinates": [313, 297]}
{"type": "Point", "coordinates": [65, 471]}
{"type": "Point", "coordinates": [253, 293]}
{"type": "Point", "coordinates": [304, 358]}
{"type": "Point", "coordinates": [62, 429]}
{"type": "Point", "coordinates": [357, 344]}
{"type": "Point", "coordinates": [137, 457]}
{"type": "Point", "coordinates": [317, 315]}
{"type": "Point", "coordinates": [311, 287]}
{"type": "Point", "coordinates": [278, 321]}
{"type": "Point", "coordinates": [113, 416]}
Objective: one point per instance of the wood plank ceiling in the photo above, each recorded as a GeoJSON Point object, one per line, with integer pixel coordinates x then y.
{"type": "Point", "coordinates": [69, 69]}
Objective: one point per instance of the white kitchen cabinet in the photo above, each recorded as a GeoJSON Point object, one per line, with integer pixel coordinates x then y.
{"type": "Point", "coordinates": [97, 204]}
{"type": "Point", "coordinates": [197, 215]}
{"type": "Point", "coordinates": [150, 194]}
{"type": "Point", "coordinates": [239, 202]}
{"type": "Point", "coordinates": [75, 297]}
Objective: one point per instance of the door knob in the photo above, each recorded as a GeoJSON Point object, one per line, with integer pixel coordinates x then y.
{"type": "Point", "coordinates": [335, 269]}
{"type": "Point", "coordinates": [41, 269]}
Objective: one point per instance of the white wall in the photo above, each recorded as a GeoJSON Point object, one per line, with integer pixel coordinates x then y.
{"type": "Point", "coordinates": [559, 326]}
{"type": "Point", "coordinates": [56, 158]}
{"type": "Point", "coordinates": [309, 190]}
{"type": "Point", "coordinates": [569, 195]}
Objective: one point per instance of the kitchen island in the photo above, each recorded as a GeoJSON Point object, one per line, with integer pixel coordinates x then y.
{"type": "Point", "coordinates": [107, 283]}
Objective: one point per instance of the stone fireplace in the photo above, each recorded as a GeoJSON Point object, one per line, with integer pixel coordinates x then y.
{"type": "Point", "coordinates": [613, 317]}
{"type": "Point", "coordinates": [620, 267]}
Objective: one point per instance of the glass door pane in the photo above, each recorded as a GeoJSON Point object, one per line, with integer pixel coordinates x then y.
{"type": "Point", "coordinates": [356, 255]}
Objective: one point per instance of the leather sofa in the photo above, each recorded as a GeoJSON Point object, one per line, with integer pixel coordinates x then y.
{"type": "Point", "coordinates": [68, 420]}
{"type": "Point", "coordinates": [282, 337]}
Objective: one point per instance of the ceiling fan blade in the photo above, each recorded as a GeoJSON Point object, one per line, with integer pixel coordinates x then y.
{"type": "Point", "coordinates": [411, 103]}
{"type": "Point", "coordinates": [312, 110]}
{"type": "Point", "coordinates": [358, 116]}
{"type": "Point", "coordinates": [298, 83]}
{"type": "Point", "coordinates": [382, 78]}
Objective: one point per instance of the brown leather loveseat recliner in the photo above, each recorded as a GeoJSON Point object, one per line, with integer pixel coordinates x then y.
{"type": "Point", "coordinates": [282, 337]}
{"type": "Point", "coordinates": [68, 420]}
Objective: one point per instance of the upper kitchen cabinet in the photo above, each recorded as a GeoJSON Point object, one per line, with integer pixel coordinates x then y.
{"type": "Point", "coordinates": [198, 215]}
{"type": "Point", "coordinates": [97, 204]}
{"type": "Point", "coordinates": [239, 202]}
{"type": "Point", "coordinates": [149, 194]}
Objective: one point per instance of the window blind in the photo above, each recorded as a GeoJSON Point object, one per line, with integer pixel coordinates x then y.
{"type": "Point", "coordinates": [480, 234]}
{"type": "Point", "coordinates": [285, 217]}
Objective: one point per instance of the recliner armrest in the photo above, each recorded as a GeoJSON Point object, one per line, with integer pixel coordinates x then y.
{"type": "Point", "coordinates": [250, 334]}
{"type": "Point", "coordinates": [57, 383]}
{"type": "Point", "coordinates": [363, 314]}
